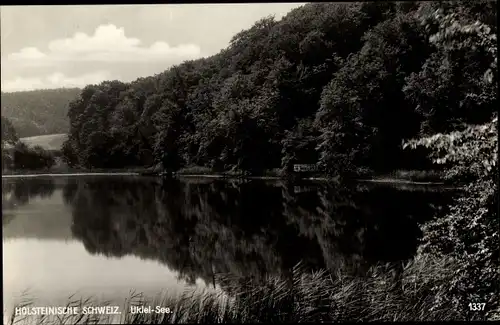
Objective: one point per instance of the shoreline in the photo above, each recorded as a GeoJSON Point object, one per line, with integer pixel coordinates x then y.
{"type": "Point", "coordinates": [400, 181]}
{"type": "Point", "coordinates": [378, 180]}
{"type": "Point", "coordinates": [71, 174]}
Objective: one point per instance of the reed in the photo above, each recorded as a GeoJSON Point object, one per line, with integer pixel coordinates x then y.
{"type": "Point", "coordinates": [302, 297]}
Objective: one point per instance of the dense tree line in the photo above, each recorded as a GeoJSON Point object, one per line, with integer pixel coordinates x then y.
{"type": "Point", "coordinates": [38, 112]}
{"type": "Point", "coordinates": [338, 84]}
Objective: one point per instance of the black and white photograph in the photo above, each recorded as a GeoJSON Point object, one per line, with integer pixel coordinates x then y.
{"type": "Point", "coordinates": [250, 162]}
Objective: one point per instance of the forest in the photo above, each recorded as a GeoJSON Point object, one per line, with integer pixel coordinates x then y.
{"type": "Point", "coordinates": [340, 85]}
{"type": "Point", "coordinates": [38, 112]}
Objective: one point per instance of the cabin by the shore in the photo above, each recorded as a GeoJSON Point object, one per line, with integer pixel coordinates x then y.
{"type": "Point", "coordinates": [306, 170]}
{"type": "Point", "coordinates": [302, 168]}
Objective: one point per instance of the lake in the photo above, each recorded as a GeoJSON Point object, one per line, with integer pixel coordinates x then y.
{"type": "Point", "coordinates": [105, 236]}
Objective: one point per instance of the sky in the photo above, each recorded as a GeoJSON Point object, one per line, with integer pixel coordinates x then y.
{"type": "Point", "coordinates": [46, 47]}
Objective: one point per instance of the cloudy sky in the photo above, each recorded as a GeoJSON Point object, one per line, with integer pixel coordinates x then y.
{"type": "Point", "coordinates": [72, 46]}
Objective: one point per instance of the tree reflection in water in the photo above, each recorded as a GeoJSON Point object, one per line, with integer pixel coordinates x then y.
{"type": "Point", "coordinates": [17, 192]}
{"type": "Point", "coordinates": [249, 229]}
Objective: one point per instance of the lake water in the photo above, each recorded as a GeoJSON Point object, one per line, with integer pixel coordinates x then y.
{"type": "Point", "coordinates": [105, 236]}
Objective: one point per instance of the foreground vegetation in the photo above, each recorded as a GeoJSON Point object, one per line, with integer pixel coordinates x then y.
{"type": "Point", "coordinates": [305, 297]}
{"type": "Point", "coordinates": [469, 232]}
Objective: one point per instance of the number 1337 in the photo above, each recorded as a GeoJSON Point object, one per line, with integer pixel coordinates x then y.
{"type": "Point", "coordinates": [477, 306]}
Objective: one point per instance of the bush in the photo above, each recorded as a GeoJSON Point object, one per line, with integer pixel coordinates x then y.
{"type": "Point", "coordinates": [31, 158]}
{"type": "Point", "coordinates": [469, 233]}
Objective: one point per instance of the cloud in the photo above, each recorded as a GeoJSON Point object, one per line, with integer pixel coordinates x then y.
{"type": "Point", "coordinates": [55, 80]}
{"type": "Point", "coordinates": [28, 53]}
{"type": "Point", "coordinates": [108, 44]}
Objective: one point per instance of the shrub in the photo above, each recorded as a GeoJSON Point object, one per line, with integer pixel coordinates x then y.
{"type": "Point", "coordinates": [469, 232]}
{"type": "Point", "coordinates": [31, 158]}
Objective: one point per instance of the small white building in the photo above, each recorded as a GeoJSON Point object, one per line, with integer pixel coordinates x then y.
{"type": "Point", "coordinates": [305, 168]}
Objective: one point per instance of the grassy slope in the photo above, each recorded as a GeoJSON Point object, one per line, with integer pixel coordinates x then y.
{"type": "Point", "coordinates": [47, 142]}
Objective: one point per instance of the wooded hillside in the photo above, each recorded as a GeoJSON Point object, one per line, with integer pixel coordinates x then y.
{"type": "Point", "coordinates": [335, 83]}
{"type": "Point", "coordinates": [39, 112]}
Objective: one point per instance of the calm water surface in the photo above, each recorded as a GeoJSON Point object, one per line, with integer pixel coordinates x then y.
{"type": "Point", "coordinates": [105, 236]}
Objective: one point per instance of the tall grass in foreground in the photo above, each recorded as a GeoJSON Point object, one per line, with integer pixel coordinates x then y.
{"type": "Point", "coordinates": [304, 297]}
